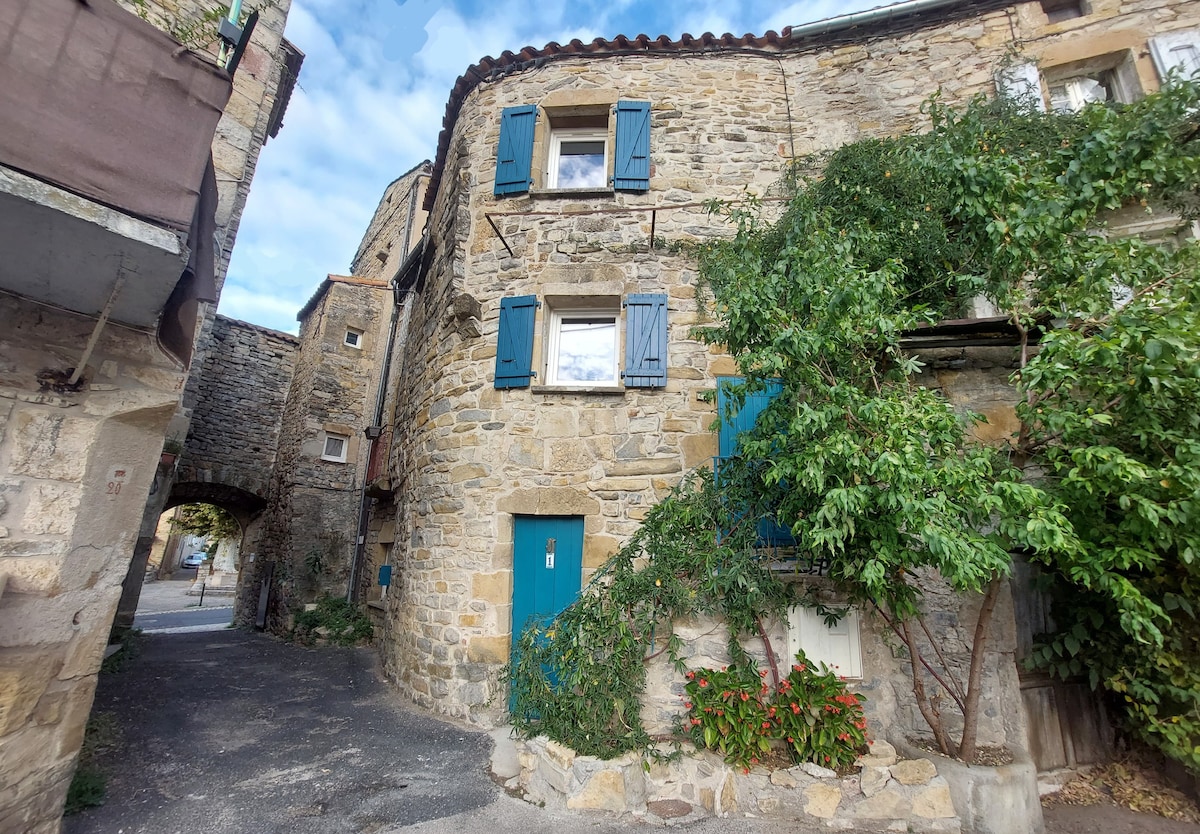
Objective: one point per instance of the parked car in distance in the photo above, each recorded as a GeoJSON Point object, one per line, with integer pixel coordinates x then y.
{"type": "Point", "coordinates": [194, 560]}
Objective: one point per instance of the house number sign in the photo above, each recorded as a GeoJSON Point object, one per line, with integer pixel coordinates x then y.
{"type": "Point", "coordinates": [550, 545]}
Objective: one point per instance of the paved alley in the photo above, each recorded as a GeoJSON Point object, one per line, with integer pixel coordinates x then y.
{"type": "Point", "coordinates": [232, 732]}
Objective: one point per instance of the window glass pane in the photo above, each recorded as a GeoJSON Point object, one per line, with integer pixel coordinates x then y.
{"type": "Point", "coordinates": [334, 447]}
{"type": "Point", "coordinates": [581, 163]}
{"type": "Point", "coordinates": [587, 350]}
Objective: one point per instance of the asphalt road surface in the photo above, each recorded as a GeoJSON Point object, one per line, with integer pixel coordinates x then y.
{"type": "Point", "coordinates": [181, 622]}
{"type": "Point", "coordinates": [232, 732]}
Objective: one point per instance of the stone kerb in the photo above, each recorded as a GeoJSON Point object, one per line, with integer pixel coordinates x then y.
{"type": "Point", "coordinates": [888, 794]}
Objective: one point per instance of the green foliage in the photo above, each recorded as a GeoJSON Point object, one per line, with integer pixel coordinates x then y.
{"type": "Point", "coordinates": [89, 784]}
{"type": "Point", "coordinates": [579, 678]}
{"type": "Point", "coordinates": [881, 475]}
{"type": "Point", "coordinates": [810, 713]}
{"type": "Point", "coordinates": [875, 471]}
{"type": "Point", "coordinates": [340, 622]}
{"type": "Point", "coordinates": [207, 520]}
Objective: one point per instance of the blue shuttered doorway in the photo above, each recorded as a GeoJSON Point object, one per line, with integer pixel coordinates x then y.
{"type": "Point", "coordinates": [547, 566]}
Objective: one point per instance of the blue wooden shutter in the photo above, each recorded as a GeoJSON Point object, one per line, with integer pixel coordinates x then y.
{"type": "Point", "coordinates": [515, 153]}
{"type": "Point", "coordinates": [732, 426]}
{"type": "Point", "coordinates": [514, 342]}
{"type": "Point", "coordinates": [631, 168]}
{"type": "Point", "coordinates": [645, 341]}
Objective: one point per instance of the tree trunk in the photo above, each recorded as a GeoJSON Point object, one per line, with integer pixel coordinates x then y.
{"type": "Point", "coordinates": [931, 715]}
{"type": "Point", "coordinates": [966, 750]}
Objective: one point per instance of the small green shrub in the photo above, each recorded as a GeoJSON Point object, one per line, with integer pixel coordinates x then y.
{"type": "Point", "coordinates": [334, 619]}
{"type": "Point", "coordinates": [131, 647]}
{"type": "Point", "coordinates": [89, 784]}
{"type": "Point", "coordinates": [811, 712]}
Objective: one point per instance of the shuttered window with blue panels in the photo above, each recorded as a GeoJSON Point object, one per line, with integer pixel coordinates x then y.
{"type": "Point", "coordinates": [631, 164]}
{"type": "Point", "coordinates": [515, 153]}
{"type": "Point", "coordinates": [514, 342]}
{"type": "Point", "coordinates": [645, 341]}
{"type": "Point", "coordinates": [574, 153]}
{"type": "Point", "coordinates": [581, 343]}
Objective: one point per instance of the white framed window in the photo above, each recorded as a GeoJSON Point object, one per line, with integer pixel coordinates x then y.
{"type": "Point", "coordinates": [584, 345]}
{"type": "Point", "coordinates": [1070, 95]}
{"type": "Point", "coordinates": [838, 646]}
{"type": "Point", "coordinates": [353, 338]}
{"type": "Point", "coordinates": [335, 447]}
{"type": "Point", "coordinates": [578, 158]}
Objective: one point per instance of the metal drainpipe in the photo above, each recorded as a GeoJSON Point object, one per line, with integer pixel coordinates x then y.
{"type": "Point", "coordinates": [360, 537]}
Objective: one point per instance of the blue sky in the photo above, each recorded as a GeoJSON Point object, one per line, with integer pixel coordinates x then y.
{"type": "Point", "coordinates": [370, 102]}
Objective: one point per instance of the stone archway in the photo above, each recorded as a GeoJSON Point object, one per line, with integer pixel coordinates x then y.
{"type": "Point", "coordinates": [246, 508]}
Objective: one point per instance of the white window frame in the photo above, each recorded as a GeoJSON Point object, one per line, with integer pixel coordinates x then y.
{"type": "Point", "coordinates": [331, 435]}
{"type": "Point", "coordinates": [358, 338]}
{"type": "Point", "coordinates": [607, 311]}
{"type": "Point", "coordinates": [839, 647]}
{"type": "Point", "coordinates": [559, 135]}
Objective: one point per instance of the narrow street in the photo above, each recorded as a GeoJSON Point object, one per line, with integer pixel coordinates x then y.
{"type": "Point", "coordinates": [232, 731]}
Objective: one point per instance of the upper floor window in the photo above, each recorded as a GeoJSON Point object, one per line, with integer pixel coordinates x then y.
{"type": "Point", "coordinates": [580, 150]}
{"type": "Point", "coordinates": [1072, 94]}
{"type": "Point", "coordinates": [353, 338]}
{"type": "Point", "coordinates": [1069, 87]}
{"type": "Point", "coordinates": [335, 447]}
{"type": "Point", "coordinates": [578, 158]}
{"type": "Point", "coordinates": [581, 348]}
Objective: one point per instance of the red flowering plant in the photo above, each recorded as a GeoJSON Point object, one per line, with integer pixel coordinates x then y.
{"type": "Point", "coordinates": [811, 713]}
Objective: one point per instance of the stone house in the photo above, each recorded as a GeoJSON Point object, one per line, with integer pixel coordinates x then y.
{"type": "Point", "coordinates": [336, 424]}
{"type": "Point", "coordinates": [549, 389]}
{"type": "Point", "coordinates": [109, 197]}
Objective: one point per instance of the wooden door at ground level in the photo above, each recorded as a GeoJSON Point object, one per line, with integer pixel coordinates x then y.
{"type": "Point", "coordinates": [547, 566]}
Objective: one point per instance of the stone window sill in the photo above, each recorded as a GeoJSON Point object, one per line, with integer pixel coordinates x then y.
{"type": "Point", "coordinates": [571, 192]}
{"type": "Point", "coordinates": [577, 389]}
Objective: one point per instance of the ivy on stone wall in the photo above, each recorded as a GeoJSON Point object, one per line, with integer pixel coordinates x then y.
{"type": "Point", "coordinates": [880, 474]}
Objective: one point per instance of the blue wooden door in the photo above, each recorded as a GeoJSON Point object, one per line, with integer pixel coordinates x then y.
{"type": "Point", "coordinates": [547, 566]}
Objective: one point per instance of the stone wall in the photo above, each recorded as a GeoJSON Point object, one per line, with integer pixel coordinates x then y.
{"type": "Point", "coordinates": [241, 386]}
{"type": "Point", "coordinates": [75, 469]}
{"type": "Point", "coordinates": [467, 457]}
{"type": "Point", "coordinates": [886, 793]}
{"type": "Point", "coordinates": [80, 469]}
{"type": "Point", "coordinates": [313, 505]}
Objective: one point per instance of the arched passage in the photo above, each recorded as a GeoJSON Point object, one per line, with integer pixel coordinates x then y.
{"type": "Point", "coordinates": [246, 508]}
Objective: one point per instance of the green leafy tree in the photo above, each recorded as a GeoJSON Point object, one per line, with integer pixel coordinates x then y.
{"type": "Point", "coordinates": [207, 520]}
{"type": "Point", "coordinates": [874, 470]}
{"type": "Point", "coordinates": [880, 474]}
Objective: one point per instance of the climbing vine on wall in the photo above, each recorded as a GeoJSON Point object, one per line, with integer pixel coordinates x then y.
{"type": "Point", "coordinates": [876, 472]}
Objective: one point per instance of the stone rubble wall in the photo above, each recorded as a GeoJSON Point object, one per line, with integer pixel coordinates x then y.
{"type": "Point", "coordinates": [887, 794]}
{"type": "Point", "coordinates": [75, 469]}
{"type": "Point", "coordinates": [241, 385]}
{"type": "Point", "coordinates": [313, 504]}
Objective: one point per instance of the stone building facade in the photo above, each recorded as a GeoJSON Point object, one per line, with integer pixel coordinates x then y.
{"type": "Point", "coordinates": [94, 359]}
{"type": "Point", "coordinates": [309, 538]}
{"type": "Point", "coordinates": [318, 539]}
{"type": "Point", "coordinates": [564, 177]}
